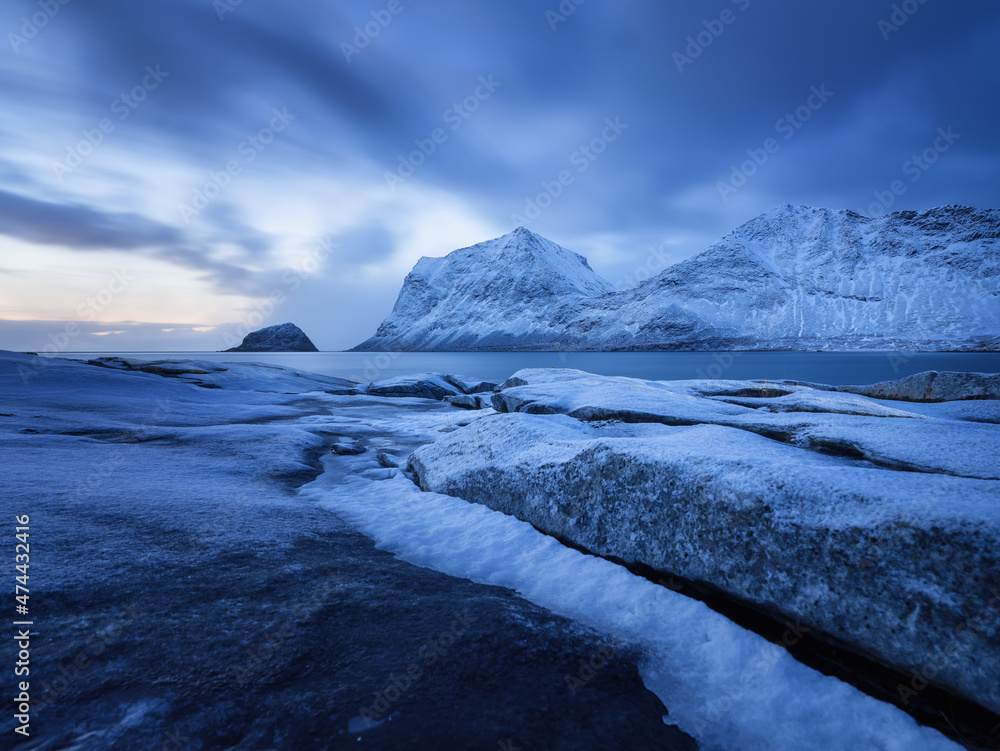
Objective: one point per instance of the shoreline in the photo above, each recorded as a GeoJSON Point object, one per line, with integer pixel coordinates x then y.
{"type": "Point", "coordinates": [398, 424]}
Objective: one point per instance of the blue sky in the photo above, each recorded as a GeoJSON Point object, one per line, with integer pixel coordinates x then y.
{"type": "Point", "coordinates": [174, 172]}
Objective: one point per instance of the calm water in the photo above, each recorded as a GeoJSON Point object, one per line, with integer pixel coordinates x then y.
{"type": "Point", "coordinates": [820, 367]}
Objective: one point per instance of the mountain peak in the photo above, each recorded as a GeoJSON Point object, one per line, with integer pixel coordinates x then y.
{"type": "Point", "coordinates": [795, 277]}
{"type": "Point", "coordinates": [502, 281]}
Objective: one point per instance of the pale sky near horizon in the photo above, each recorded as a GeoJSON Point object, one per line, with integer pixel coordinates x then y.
{"type": "Point", "coordinates": [167, 166]}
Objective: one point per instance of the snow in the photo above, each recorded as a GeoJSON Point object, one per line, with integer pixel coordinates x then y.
{"type": "Point", "coordinates": [499, 290]}
{"type": "Point", "coordinates": [861, 526]}
{"type": "Point", "coordinates": [234, 424]}
{"type": "Point", "coordinates": [891, 434]}
{"type": "Point", "coordinates": [794, 277]}
{"type": "Point", "coordinates": [587, 396]}
{"type": "Point", "coordinates": [803, 400]}
{"type": "Point", "coordinates": [726, 686]}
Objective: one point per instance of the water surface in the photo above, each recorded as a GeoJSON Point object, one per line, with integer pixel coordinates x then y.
{"type": "Point", "coordinates": [821, 367]}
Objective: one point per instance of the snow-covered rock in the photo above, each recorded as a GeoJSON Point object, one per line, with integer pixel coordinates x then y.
{"type": "Point", "coordinates": [285, 337]}
{"type": "Point", "coordinates": [422, 386]}
{"type": "Point", "coordinates": [876, 527]}
{"type": "Point", "coordinates": [932, 386]}
{"type": "Point", "coordinates": [793, 278]}
{"type": "Point", "coordinates": [468, 401]}
{"type": "Point", "coordinates": [468, 391]}
{"type": "Point", "coordinates": [471, 384]}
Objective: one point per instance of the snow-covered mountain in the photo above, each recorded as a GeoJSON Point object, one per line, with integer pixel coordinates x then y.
{"type": "Point", "coordinates": [794, 277]}
{"type": "Point", "coordinates": [499, 294]}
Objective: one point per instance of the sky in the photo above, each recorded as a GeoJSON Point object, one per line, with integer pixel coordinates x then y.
{"type": "Point", "coordinates": [175, 173]}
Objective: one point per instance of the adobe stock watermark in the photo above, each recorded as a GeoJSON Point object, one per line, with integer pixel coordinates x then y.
{"type": "Point", "coordinates": [363, 35]}
{"type": "Point", "coordinates": [723, 363]}
{"type": "Point", "coordinates": [248, 150]}
{"type": "Point", "coordinates": [581, 159]}
{"type": "Point", "coordinates": [274, 639]}
{"type": "Point", "coordinates": [454, 117]}
{"type": "Point", "coordinates": [979, 623]}
{"type": "Point", "coordinates": [88, 310]}
{"type": "Point", "coordinates": [225, 7]}
{"type": "Point", "coordinates": [33, 24]}
{"type": "Point", "coordinates": [291, 280]}
{"type": "Point", "coordinates": [374, 367]}
{"type": "Point", "coordinates": [761, 664]}
{"type": "Point", "coordinates": [589, 668]}
{"type": "Point", "coordinates": [714, 28]}
{"type": "Point", "coordinates": [656, 262]}
{"type": "Point", "coordinates": [377, 713]}
{"type": "Point", "coordinates": [125, 446]}
{"type": "Point", "coordinates": [787, 127]}
{"type": "Point", "coordinates": [914, 168]}
{"type": "Point", "coordinates": [901, 13]}
{"type": "Point", "coordinates": [123, 106]}
{"type": "Point", "coordinates": [70, 671]}
{"type": "Point", "coordinates": [561, 14]}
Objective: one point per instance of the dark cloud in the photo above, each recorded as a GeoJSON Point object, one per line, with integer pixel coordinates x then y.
{"type": "Point", "coordinates": [83, 228]}
{"type": "Point", "coordinates": [78, 226]}
{"type": "Point", "coordinates": [561, 77]}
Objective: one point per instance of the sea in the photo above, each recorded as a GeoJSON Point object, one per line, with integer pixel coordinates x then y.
{"type": "Point", "coordinates": [834, 368]}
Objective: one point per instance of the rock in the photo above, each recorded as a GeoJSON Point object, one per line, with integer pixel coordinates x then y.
{"type": "Point", "coordinates": [932, 386]}
{"type": "Point", "coordinates": [805, 515]}
{"type": "Point", "coordinates": [285, 337]}
{"type": "Point", "coordinates": [468, 401]}
{"type": "Point", "coordinates": [843, 424]}
{"type": "Point", "coordinates": [386, 460]}
{"type": "Point", "coordinates": [590, 397]}
{"type": "Point", "coordinates": [423, 386]}
{"type": "Point", "coordinates": [347, 448]}
{"type": "Point", "coordinates": [245, 376]}
{"type": "Point", "coordinates": [471, 385]}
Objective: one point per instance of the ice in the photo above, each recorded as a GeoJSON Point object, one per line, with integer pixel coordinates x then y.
{"type": "Point", "coordinates": [881, 532]}
{"type": "Point", "coordinates": [726, 686]}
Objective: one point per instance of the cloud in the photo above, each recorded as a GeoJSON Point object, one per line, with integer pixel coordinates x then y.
{"type": "Point", "coordinates": [81, 227]}
{"type": "Point", "coordinates": [355, 119]}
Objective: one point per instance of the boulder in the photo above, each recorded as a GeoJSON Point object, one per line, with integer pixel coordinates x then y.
{"type": "Point", "coordinates": [879, 529]}
{"type": "Point", "coordinates": [388, 461]}
{"type": "Point", "coordinates": [471, 385]}
{"type": "Point", "coordinates": [468, 401]}
{"type": "Point", "coordinates": [932, 386]}
{"type": "Point", "coordinates": [347, 448]}
{"type": "Point", "coordinates": [422, 386]}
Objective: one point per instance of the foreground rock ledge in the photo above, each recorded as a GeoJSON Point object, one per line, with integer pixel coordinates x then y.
{"type": "Point", "coordinates": [867, 536]}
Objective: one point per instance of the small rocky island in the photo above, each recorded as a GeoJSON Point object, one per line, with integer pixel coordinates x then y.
{"type": "Point", "coordinates": [285, 337]}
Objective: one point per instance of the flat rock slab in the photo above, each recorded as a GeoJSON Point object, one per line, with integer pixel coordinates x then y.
{"type": "Point", "coordinates": [191, 600]}
{"type": "Point", "coordinates": [933, 386]}
{"type": "Point", "coordinates": [928, 440]}
{"type": "Point", "coordinates": [258, 377]}
{"type": "Point", "coordinates": [877, 529]}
